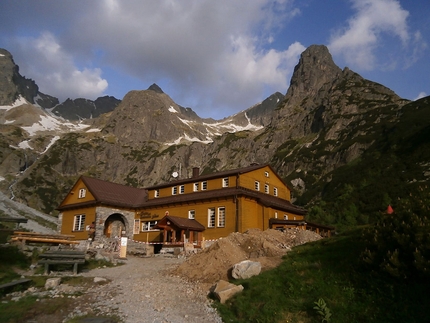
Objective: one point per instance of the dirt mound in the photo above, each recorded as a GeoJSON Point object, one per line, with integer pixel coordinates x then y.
{"type": "Point", "coordinates": [266, 247]}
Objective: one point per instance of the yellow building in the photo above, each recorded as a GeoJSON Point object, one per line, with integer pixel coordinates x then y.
{"type": "Point", "coordinates": [192, 209]}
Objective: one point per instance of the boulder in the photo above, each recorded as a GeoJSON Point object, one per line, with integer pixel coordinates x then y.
{"type": "Point", "coordinates": [246, 269]}
{"type": "Point", "coordinates": [225, 290]}
{"type": "Point", "coordinates": [52, 283]}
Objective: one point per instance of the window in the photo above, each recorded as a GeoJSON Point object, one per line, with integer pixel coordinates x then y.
{"type": "Point", "coordinates": [276, 215]}
{"type": "Point", "coordinates": [257, 185]}
{"type": "Point", "coordinates": [285, 216]}
{"type": "Point", "coordinates": [211, 217]}
{"type": "Point", "coordinates": [136, 226]}
{"type": "Point", "coordinates": [79, 222]}
{"type": "Point", "coordinates": [157, 193]}
{"type": "Point", "coordinates": [174, 190]}
{"type": "Point", "coordinates": [196, 187]}
{"type": "Point", "coordinates": [82, 193]}
{"type": "Point", "coordinates": [221, 217]}
{"type": "Point", "coordinates": [266, 174]}
{"type": "Point", "coordinates": [182, 189]}
{"type": "Point", "coordinates": [204, 185]}
{"type": "Point", "coordinates": [266, 188]}
{"type": "Point", "coordinates": [191, 214]}
{"type": "Point", "coordinates": [225, 182]}
{"type": "Point", "coordinates": [149, 226]}
{"type": "Point", "coordinates": [275, 191]}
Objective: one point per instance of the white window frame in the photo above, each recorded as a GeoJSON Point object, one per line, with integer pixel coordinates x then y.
{"type": "Point", "coordinates": [276, 215]}
{"type": "Point", "coordinates": [275, 191]}
{"type": "Point", "coordinates": [181, 189]}
{"type": "Point", "coordinates": [225, 182]}
{"type": "Point", "coordinates": [211, 217]}
{"type": "Point", "coordinates": [221, 217]}
{"type": "Point", "coordinates": [82, 193]}
{"type": "Point", "coordinates": [257, 185]}
{"type": "Point", "coordinates": [79, 222]}
{"type": "Point", "coordinates": [266, 174]}
{"type": "Point", "coordinates": [157, 193]}
{"type": "Point", "coordinates": [196, 187]}
{"type": "Point", "coordinates": [174, 190]}
{"type": "Point", "coordinates": [191, 214]}
{"type": "Point", "coordinates": [285, 216]}
{"type": "Point", "coordinates": [148, 225]}
{"type": "Point", "coordinates": [266, 188]}
{"type": "Point", "coordinates": [204, 185]}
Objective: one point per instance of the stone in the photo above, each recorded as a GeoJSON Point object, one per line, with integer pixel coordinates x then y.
{"type": "Point", "coordinates": [225, 290]}
{"type": "Point", "coordinates": [52, 283]}
{"type": "Point", "coordinates": [246, 269]}
{"type": "Point", "coordinates": [99, 280]}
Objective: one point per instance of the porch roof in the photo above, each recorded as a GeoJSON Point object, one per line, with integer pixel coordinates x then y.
{"type": "Point", "coordinates": [181, 223]}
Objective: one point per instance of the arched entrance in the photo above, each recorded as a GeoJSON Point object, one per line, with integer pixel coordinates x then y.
{"type": "Point", "coordinates": [114, 225]}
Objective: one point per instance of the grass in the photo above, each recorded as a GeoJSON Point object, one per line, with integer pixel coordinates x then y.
{"type": "Point", "coordinates": [328, 274]}
{"type": "Point", "coordinates": [28, 307]}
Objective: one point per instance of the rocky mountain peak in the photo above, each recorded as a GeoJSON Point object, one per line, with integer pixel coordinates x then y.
{"type": "Point", "coordinates": [315, 68]}
{"type": "Point", "coordinates": [13, 85]}
{"type": "Point", "coordinates": [154, 87]}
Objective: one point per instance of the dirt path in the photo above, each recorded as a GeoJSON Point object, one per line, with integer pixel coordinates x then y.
{"type": "Point", "coordinates": [142, 290]}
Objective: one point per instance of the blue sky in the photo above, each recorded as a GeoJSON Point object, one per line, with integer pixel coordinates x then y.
{"type": "Point", "coordinates": [216, 57]}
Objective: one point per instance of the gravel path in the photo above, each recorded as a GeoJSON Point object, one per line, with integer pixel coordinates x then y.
{"type": "Point", "coordinates": [142, 290]}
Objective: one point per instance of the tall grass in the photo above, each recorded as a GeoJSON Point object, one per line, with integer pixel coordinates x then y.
{"type": "Point", "coordinates": [330, 270]}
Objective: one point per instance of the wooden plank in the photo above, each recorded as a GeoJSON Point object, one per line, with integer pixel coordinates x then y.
{"type": "Point", "coordinates": [24, 233]}
{"type": "Point", "coordinates": [15, 220]}
{"type": "Point", "coordinates": [62, 255]}
{"type": "Point", "coordinates": [61, 261]}
{"type": "Point", "coordinates": [46, 240]}
{"type": "Point", "coordinates": [15, 282]}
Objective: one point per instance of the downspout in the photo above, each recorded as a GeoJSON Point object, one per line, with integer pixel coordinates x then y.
{"type": "Point", "coordinates": [237, 205]}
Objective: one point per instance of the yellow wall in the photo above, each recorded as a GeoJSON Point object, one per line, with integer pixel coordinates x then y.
{"type": "Point", "coordinates": [247, 180]}
{"type": "Point", "coordinates": [201, 216]}
{"type": "Point", "coordinates": [68, 221]}
{"type": "Point", "coordinates": [73, 196]}
{"type": "Point", "coordinates": [212, 184]}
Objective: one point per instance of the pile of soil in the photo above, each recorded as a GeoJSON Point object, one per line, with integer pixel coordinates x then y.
{"type": "Point", "coordinates": [267, 247]}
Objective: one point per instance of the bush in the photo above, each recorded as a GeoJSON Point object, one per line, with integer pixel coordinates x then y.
{"type": "Point", "coordinates": [399, 243]}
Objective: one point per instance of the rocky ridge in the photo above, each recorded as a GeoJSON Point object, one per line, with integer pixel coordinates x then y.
{"type": "Point", "coordinates": [327, 118]}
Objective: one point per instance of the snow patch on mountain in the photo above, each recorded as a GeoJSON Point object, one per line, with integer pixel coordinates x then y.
{"type": "Point", "coordinates": [19, 101]}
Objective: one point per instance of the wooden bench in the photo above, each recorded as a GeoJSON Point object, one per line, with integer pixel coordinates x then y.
{"type": "Point", "coordinates": [62, 257]}
{"type": "Point", "coordinates": [14, 283]}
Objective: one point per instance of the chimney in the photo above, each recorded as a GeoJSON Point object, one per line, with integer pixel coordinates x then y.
{"type": "Point", "coordinates": [196, 172]}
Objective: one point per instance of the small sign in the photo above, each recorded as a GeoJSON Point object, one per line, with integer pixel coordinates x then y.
{"type": "Point", "coordinates": [123, 241]}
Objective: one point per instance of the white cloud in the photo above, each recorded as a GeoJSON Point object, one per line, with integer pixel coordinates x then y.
{"type": "Point", "coordinates": [210, 51]}
{"type": "Point", "coordinates": [55, 71]}
{"type": "Point", "coordinates": [358, 42]}
{"type": "Point", "coordinates": [211, 54]}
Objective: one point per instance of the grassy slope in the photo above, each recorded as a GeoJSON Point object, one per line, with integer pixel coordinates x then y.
{"type": "Point", "coordinates": [329, 269]}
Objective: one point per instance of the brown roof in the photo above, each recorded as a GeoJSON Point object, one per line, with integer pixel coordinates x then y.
{"type": "Point", "coordinates": [264, 198]}
{"type": "Point", "coordinates": [115, 194]}
{"type": "Point", "coordinates": [111, 194]}
{"type": "Point", "coordinates": [181, 223]}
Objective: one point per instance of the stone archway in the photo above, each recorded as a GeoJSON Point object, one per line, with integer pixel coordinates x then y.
{"type": "Point", "coordinates": [114, 226]}
{"type": "Point", "coordinates": [113, 218]}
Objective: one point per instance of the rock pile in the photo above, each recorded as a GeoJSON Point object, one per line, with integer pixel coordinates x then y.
{"type": "Point", "coordinates": [267, 247]}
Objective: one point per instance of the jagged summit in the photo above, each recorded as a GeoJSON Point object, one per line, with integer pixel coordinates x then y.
{"type": "Point", "coordinates": [154, 87]}
{"type": "Point", "coordinates": [315, 68]}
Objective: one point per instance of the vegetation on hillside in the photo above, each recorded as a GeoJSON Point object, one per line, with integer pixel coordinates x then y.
{"type": "Point", "coordinates": [391, 172]}
{"type": "Point", "coordinates": [328, 281]}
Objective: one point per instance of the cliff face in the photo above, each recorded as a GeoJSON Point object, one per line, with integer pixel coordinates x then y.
{"type": "Point", "coordinates": [327, 119]}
